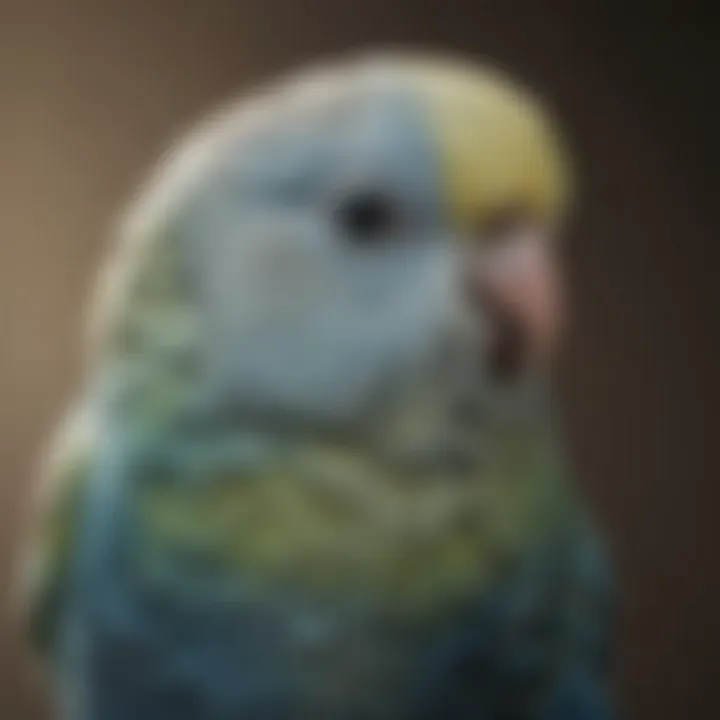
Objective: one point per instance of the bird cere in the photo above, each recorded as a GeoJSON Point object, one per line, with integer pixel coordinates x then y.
{"type": "Point", "coordinates": [315, 468]}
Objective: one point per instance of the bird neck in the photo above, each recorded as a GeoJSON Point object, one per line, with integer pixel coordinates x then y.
{"type": "Point", "coordinates": [338, 517]}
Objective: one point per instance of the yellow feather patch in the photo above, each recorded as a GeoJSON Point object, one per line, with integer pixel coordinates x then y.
{"type": "Point", "coordinates": [334, 520]}
{"type": "Point", "coordinates": [498, 150]}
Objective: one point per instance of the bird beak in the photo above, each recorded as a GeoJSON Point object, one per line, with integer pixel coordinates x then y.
{"type": "Point", "coordinates": [514, 279]}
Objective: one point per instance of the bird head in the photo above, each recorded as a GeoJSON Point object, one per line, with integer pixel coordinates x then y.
{"type": "Point", "coordinates": [346, 242]}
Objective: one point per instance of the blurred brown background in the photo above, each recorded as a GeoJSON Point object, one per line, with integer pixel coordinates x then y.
{"type": "Point", "coordinates": [91, 92]}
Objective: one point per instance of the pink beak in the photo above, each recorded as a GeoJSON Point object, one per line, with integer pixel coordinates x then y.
{"type": "Point", "coordinates": [517, 281]}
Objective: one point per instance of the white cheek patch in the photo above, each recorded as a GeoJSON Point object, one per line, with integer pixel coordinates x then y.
{"type": "Point", "coordinates": [301, 325]}
{"type": "Point", "coordinates": [296, 318]}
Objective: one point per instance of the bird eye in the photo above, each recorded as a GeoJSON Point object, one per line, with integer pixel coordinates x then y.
{"type": "Point", "coordinates": [367, 217]}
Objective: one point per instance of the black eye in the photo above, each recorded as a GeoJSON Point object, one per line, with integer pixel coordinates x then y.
{"type": "Point", "coordinates": [367, 217]}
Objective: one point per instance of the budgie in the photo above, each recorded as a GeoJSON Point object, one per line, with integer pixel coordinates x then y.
{"type": "Point", "coordinates": [316, 470]}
